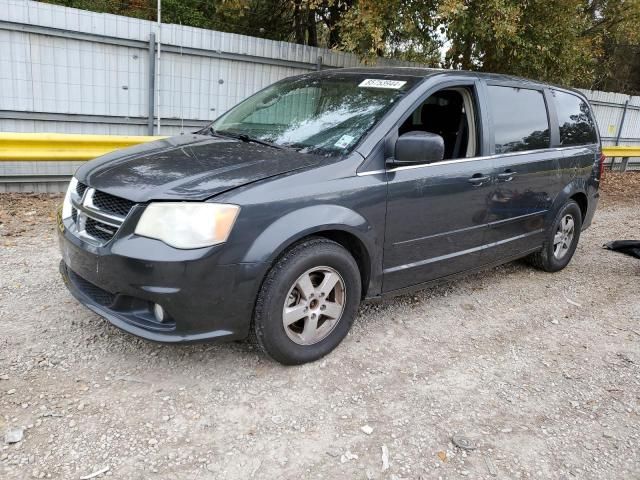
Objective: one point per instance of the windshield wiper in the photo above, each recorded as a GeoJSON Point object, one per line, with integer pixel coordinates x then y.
{"type": "Point", "coordinates": [244, 138]}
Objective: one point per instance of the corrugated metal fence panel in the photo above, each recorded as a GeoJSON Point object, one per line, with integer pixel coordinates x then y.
{"type": "Point", "coordinates": [73, 76]}
{"type": "Point", "coordinates": [34, 13]}
{"type": "Point", "coordinates": [55, 71]}
{"type": "Point", "coordinates": [632, 121]}
{"type": "Point", "coordinates": [39, 168]}
{"type": "Point", "coordinates": [73, 72]}
{"type": "Point", "coordinates": [39, 177]}
{"type": "Point", "coordinates": [31, 126]}
{"type": "Point", "coordinates": [15, 72]}
{"type": "Point", "coordinates": [608, 109]}
{"type": "Point", "coordinates": [204, 88]}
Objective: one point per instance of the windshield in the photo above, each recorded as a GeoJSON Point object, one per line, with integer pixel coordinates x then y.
{"type": "Point", "coordinates": [325, 114]}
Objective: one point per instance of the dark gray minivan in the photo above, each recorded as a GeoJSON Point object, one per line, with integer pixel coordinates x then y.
{"type": "Point", "coordinates": [321, 191]}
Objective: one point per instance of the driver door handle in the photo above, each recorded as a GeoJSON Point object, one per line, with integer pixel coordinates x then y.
{"type": "Point", "coordinates": [507, 176]}
{"type": "Point", "coordinates": [478, 179]}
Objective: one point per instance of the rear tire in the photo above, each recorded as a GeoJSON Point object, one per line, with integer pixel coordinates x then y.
{"type": "Point", "coordinates": [308, 302]}
{"type": "Point", "coordinates": [561, 239]}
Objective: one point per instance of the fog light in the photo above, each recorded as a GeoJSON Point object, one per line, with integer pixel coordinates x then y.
{"type": "Point", "coordinates": [159, 313]}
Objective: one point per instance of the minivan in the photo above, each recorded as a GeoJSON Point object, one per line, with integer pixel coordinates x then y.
{"type": "Point", "coordinates": [323, 190]}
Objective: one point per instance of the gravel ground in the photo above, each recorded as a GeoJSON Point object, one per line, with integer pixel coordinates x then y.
{"type": "Point", "coordinates": [540, 372]}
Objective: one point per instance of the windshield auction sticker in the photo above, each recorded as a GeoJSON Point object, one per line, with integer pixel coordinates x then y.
{"type": "Point", "coordinates": [344, 141]}
{"type": "Point", "coordinates": [381, 83]}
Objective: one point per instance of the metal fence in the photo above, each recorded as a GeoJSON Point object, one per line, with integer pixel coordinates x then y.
{"type": "Point", "coordinates": [66, 70]}
{"type": "Point", "coordinates": [73, 71]}
{"type": "Point", "coordinates": [618, 118]}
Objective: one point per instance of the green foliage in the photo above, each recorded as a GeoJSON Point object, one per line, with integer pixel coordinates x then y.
{"type": "Point", "coordinates": [537, 39]}
{"type": "Point", "coordinates": [617, 24]}
{"type": "Point", "coordinates": [402, 29]}
{"type": "Point", "coordinates": [582, 43]}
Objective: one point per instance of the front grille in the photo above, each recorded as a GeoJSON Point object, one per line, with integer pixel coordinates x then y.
{"type": "Point", "coordinates": [80, 189]}
{"type": "Point", "coordinates": [112, 204]}
{"type": "Point", "coordinates": [95, 293]}
{"type": "Point", "coordinates": [96, 215]}
{"type": "Point", "coordinates": [99, 230]}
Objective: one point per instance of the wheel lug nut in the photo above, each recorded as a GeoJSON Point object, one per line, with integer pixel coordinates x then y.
{"type": "Point", "coordinates": [322, 307]}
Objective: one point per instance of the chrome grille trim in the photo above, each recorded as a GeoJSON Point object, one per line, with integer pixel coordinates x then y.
{"type": "Point", "coordinates": [91, 209]}
{"type": "Point", "coordinates": [80, 189]}
{"type": "Point", "coordinates": [85, 209]}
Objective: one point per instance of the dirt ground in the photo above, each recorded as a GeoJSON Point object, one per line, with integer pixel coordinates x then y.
{"type": "Point", "coordinates": [541, 372]}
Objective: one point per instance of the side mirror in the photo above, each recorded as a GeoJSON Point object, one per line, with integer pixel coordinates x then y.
{"type": "Point", "coordinates": [418, 147]}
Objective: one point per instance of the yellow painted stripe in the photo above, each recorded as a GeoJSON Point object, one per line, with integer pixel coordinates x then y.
{"type": "Point", "coordinates": [72, 147]}
{"type": "Point", "coordinates": [62, 146]}
{"type": "Point", "coordinates": [622, 151]}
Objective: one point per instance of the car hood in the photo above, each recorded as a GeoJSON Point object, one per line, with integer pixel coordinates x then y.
{"type": "Point", "coordinates": [188, 167]}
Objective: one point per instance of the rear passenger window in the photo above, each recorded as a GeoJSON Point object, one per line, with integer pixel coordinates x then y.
{"type": "Point", "coordinates": [520, 119]}
{"type": "Point", "coordinates": [574, 118]}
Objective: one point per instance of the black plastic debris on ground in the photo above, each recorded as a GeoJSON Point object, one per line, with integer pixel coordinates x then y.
{"type": "Point", "coordinates": [630, 247]}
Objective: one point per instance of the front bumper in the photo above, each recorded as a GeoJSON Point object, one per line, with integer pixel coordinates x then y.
{"type": "Point", "coordinates": [122, 280]}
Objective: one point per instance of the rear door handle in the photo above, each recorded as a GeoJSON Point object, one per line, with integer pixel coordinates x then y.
{"type": "Point", "coordinates": [478, 179]}
{"type": "Point", "coordinates": [507, 176]}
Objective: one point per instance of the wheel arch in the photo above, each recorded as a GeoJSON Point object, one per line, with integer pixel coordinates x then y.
{"type": "Point", "coordinates": [337, 223]}
{"type": "Point", "coordinates": [353, 245]}
{"type": "Point", "coordinates": [583, 202]}
{"type": "Point", "coordinates": [573, 191]}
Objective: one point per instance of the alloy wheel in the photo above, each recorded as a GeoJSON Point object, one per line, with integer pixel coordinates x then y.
{"type": "Point", "coordinates": [563, 237]}
{"type": "Point", "coordinates": [314, 305]}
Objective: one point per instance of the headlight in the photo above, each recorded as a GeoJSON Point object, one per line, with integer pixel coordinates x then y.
{"type": "Point", "coordinates": [66, 204]}
{"type": "Point", "coordinates": [188, 225]}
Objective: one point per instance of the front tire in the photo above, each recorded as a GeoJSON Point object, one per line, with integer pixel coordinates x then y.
{"type": "Point", "coordinates": [308, 302]}
{"type": "Point", "coordinates": [561, 239]}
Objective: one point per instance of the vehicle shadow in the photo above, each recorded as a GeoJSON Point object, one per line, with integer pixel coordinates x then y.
{"type": "Point", "coordinates": [241, 352]}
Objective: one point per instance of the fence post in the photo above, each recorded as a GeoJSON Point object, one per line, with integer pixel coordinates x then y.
{"type": "Point", "coordinates": [624, 114]}
{"type": "Point", "coordinates": [319, 63]}
{"type": "Point", "coordinates": [625, 161]}
{"type": "Point", "coordinates": [152, 83]}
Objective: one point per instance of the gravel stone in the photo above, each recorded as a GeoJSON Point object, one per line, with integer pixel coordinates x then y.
{"type": "Point", "coordinates": [463, 442]}
{"type": "Point", "coordinates": [478, 355]}
{"type": "Point", "coordinates": [13, 435]}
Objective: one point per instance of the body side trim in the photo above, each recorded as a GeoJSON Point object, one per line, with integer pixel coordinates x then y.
{"type": "Point", "coordinates": [449, 278]}
{"type": "Point", "coordinates": [484, 225]}
{"type": "Point", "coordinates": [462, 252]}
{"type": "Point", "coordinates": [486, 157]}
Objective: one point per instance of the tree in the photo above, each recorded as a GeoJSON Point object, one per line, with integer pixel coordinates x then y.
{"type": "Point", "coordinates": [270, 19]}
{"type": "Point", "coordinates": [571, 42]}
{"type": "Point", "coordinates": [616, 22]}
{"type": "Point", "coordinates": [537, 39]}
{"type": "Point", "coordinates": [402, 29]}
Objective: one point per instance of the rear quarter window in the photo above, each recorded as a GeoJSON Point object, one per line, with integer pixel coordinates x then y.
{"type": "Point", "coordinates": [520, 120]}
{"type": "Point", "coordinates": [574, 119]}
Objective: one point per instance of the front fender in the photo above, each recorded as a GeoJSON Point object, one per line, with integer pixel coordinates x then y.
{"type": "Point", "coordinates": [306, 221]}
